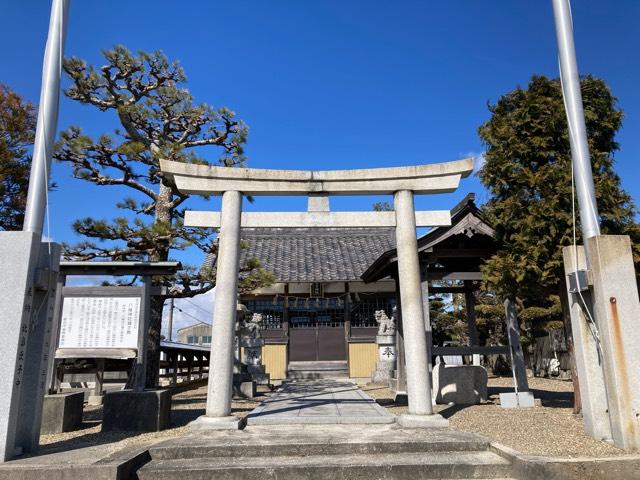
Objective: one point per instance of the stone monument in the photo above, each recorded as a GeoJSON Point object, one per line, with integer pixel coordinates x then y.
{"type": "Point", "coordinates": [251, 342]}
{"type": "Point", "coordinates": [386, 341]}
{"type": "Point", "coordinates": [243, 384]}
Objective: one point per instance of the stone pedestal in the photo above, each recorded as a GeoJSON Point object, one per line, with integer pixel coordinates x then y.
{"type": "Point", "coordinates": [386, 359]}
{"type": "Point", "coordinates": [459, 384]}
{"type": "Point", "coordinates": [252, 359]}
{"type": "Point", "coordinates": [433, 420]}
{"type": "Point", "coordinates": [61, 412]}
{"type": "Point", "coordinates": [147, 411]}
{"type": "Point", "coordinates": [205, 423]}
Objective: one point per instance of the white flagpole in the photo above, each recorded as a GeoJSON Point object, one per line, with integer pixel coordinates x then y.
{"type": "Point", "coordinates": [47, 118]}
{"type": "Point", "coordinates": [575, 117]}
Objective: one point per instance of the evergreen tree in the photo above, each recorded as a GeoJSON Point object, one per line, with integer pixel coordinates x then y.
{"type": "Point", "coordinates": [159, 120]}
{"type": "Point", "coordinates": [528, 174]}
{"type": "Point", "coordinates": [17, 131]}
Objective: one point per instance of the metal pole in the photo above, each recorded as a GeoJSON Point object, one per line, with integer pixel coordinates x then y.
{"type": "Point", "coordinates": [47, 118]}
{"type": "Point", "coordinates": [575, 118]}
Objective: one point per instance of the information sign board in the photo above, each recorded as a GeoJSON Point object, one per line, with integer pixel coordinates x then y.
{"type": "Point", "coordinates": [99, 322]}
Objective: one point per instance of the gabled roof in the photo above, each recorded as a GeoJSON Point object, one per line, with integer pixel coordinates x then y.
{"type": "Point", "coordinates": [314, 254]}
{"type": "Point", "coordinates": [197, 324]}
{"type": "Point", "coordinates": [469, 234]}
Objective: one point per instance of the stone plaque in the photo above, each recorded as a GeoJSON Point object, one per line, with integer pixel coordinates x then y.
{"type": "Point", "coordinates": [99, 322]}
{"type": "Point", "coordinates": [387, 353]}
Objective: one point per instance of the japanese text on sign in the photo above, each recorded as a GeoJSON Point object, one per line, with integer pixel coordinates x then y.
{"type": "Point", "coordinates": [99, 322]}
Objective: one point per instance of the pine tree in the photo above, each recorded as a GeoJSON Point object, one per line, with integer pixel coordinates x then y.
{"type": "Point", "coordinates": [17, 131]}
{"type": "Point", "coordinates": [159, 120]}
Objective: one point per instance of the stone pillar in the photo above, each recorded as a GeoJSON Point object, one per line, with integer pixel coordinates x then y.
{"type": "Point", "coordinates": [588, 361]}
{"type": "Point", "coordinates": [220, 381]}
{"type": "Point", "coordinates": [424, 285]}
{"type": "Point", "coordinates": [399, 383]}
{"type": "Point", "coordinates": [28, 292]}
{"type": "Point", "coordinates": [517, 357]}
{"type": "Point", "coordinates": [415, 338]}
{"type": "Point", "coordinates": [617, 309]}
{"type": "Point", "coordinates": [470, 307]}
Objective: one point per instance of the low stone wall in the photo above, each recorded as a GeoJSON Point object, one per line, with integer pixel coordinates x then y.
{"type": "Point", "coordinates": [533, 467]}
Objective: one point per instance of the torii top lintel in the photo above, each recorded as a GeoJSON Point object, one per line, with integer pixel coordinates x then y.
{"type": "Point", "coordinates": [420, 179]}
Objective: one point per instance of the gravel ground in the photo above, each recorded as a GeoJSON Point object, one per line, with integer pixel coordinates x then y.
{"type": "Point", "coordinates": [550, 429]}
{"type": "Point", "coordinates": [186, 407]}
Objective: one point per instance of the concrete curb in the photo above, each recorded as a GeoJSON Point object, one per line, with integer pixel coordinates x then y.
{"type": "Point", "coordinates": [121, 465]}
{"type": "Point", "coordinates": [535, 467]}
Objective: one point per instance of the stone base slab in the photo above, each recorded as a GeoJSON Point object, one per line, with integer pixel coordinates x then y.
{"type": "Point", "coordinates": [61, 412]}
{"type": "Point", "coordinates": [147, 411]}
{"type": "Point", "coordinates": [261, 378]}
{"type": "Point", "coordinates": [95, 399]}
{"type": "Point", "coordinates": [517, 400]}
{"type": "Point", "coordinates": [205, 423]}
{"type": "Point", "coordinates": [422, 421]}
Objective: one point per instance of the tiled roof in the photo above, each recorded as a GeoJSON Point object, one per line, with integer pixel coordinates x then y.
{"type": "Point", "coordinates": [315, 254]}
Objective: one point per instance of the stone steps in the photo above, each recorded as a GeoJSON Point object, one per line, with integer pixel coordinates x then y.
{"type": "Point", "coordinates": [388, 466]}
{"type": "Point", "coordinates": [331, 452]}
{"type": "Point", "coordinates": [392, 442]}
{"type": "Point", "coordinates": [317, 370]}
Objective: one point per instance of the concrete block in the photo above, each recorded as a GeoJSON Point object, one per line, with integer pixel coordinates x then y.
{"type": "Point", "coordinates": [245, 389]}
{"type": "Point", "coordinates": [517, 400]}
{"type": "Point", "coordinates": [147, 411]}
{"type": "Point", "coordinates": [95, 400]}
{"type": "Point", "coordinates": [422, 421]}
{"type": "Point", "coordinates": [460, 384]}
{"type": "Point", "coordinates": [61, 412]}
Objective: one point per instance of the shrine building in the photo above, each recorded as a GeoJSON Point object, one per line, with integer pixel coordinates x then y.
{"type": "Point", "coordinates": [318, 315]}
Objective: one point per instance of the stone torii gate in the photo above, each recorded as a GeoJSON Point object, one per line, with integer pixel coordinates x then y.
{"type": "Point", "coordinates": [401, 182]}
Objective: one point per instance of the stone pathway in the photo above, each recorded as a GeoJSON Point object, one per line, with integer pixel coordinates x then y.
{"type": "Point", "coordinates": [319, 402]}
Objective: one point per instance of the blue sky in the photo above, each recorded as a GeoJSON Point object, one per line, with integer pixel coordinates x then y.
{"type": "Point", "coordinates": [333, 84]}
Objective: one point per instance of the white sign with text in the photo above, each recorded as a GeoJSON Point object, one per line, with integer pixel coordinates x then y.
{"type": "Point", "coordinates": [99, 322]}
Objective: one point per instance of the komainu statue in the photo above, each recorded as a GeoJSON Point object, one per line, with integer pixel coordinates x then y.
{"type": "Point", "coordinates": [250, 328]}
{"type": "Point", "coordinates": [386, 325]}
